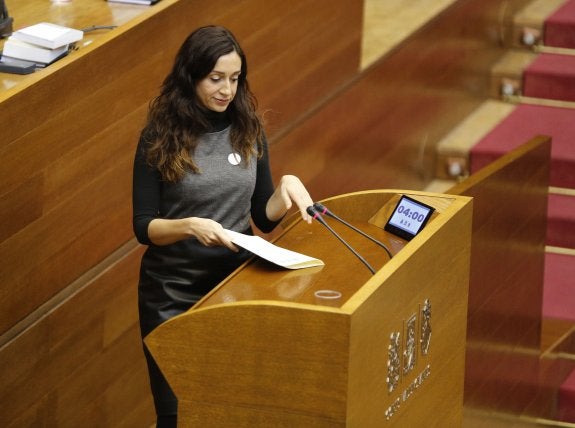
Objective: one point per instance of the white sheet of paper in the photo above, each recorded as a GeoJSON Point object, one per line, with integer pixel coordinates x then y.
{"type": "Point", "coordinates": [278, 255]}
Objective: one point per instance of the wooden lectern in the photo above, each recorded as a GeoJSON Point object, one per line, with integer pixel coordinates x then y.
{"type": "Point", "coordinates": [261, 350]}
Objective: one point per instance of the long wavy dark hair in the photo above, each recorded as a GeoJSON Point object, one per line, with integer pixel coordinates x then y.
{"type": "Point", "coordinates": [177, 117]}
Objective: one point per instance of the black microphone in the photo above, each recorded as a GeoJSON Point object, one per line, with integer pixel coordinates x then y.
{"type": "Point", "coordinates": [316, 215]}
{"type": "Point", "coordinates": [5, 20]}
{"type": "Point", "coordinates": [324, 211]}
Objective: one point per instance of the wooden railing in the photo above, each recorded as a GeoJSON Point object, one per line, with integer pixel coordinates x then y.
{"type": "Point", "coordinates": [505, 373]}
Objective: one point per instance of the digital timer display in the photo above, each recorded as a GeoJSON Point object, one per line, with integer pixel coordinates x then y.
{"type": "Point", "coordinates": [408, 218]}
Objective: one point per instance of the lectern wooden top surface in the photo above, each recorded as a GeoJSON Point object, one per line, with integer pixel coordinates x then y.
{"type": "Point", "coordinates": [343, 272]}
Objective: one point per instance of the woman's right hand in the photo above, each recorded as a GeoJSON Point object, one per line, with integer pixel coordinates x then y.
{"type": "Point", "coordinates": [208, 232]}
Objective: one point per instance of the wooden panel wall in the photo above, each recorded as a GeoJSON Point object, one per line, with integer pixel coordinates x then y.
{"type": "Point", "coordinates": [69, 345]}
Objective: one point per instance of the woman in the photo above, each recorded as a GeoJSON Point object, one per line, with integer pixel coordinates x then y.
{"type": "Point", "coordinates": [201, 167]}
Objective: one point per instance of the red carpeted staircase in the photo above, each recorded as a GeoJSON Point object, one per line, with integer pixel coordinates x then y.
{"type": "Point", "coordinates": [549, 77]}
{"type": "Point", "coordinates": [559, 27]}
{"type": "Point", "coordinates": [524, 123]}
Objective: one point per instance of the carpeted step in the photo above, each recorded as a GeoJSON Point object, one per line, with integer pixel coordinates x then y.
{"type": "Point", "coordinates": [452, 160]}
{"type": "Point", "coordinates": [558, 303]}
{"type": "Point", "coordinates": [559, 286]}
{"type": "Point", "coordinates": [522, 124]}
{"type": "Point", "coordinates": [550, 76]}
{"type": "Point", "coordinates": [559, 27]}
{"type": "Point", "coordinates": [561, 221]}
{"type": "Point", "coordinates": [528, 23]}
{"type": "Point", "coordinates": [566, 400]}
{"type": "Point", "coordinates": [564, 354]}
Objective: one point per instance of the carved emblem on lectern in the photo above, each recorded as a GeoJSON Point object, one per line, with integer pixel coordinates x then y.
{"type": "Point", "coordinates": [410, 351]}
{"type": "Point", "coordinates": [407, 349]}
{"type": "Point", "coordinates": [425, 338]}
{"type": "Point", "coordinates": [393, 361]}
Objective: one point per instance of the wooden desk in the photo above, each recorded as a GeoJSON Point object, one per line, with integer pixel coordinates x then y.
{"type": "Point", "coordinates": [79, 14]}
{"type": "Point", "coordinates": [67, 142]}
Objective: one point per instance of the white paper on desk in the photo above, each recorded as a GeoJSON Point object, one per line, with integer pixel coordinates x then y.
{"type": "Point", "coordinates": [278, 255]}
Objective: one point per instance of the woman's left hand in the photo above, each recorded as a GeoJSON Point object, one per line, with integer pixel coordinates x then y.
{"type": "Point", "coordinates": [289, 191]}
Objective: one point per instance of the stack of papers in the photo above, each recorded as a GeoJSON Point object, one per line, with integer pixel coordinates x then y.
{"type": "Point", "coordinates": [42, 43]}
{"type": "Point", "coordinates": [272, 253]}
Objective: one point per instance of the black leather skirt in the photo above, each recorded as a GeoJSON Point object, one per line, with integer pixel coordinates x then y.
{"type": "Point", "coordinates": [174, 277]}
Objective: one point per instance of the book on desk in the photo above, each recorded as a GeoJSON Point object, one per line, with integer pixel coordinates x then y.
{"type": "Point", "coordinates": [14, 48]}
{"type": "Point", "coordinates": [37, 46]}
{"type": "Point", "coordinates": [47, 35]}
{"type": "Point", "coordinates": [143, 2]}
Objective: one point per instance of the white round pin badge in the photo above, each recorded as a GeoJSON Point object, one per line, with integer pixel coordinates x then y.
{"type": "Point", "coordinates": [234, 158]}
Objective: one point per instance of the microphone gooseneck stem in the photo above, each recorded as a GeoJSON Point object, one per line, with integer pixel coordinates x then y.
{"type": "Point", "coordinates": [317, 216]}
{"type": "Point", "coordinates": [323, 210]}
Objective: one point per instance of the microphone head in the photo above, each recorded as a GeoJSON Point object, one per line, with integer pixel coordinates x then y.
{"type": "Point", "coordinates": [320, 208]}
{"type": "Point", "coordinates": [311, 211]}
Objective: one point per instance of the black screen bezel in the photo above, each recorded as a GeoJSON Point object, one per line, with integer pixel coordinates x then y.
{"type": "Point", "coordinates": [402, 233]}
